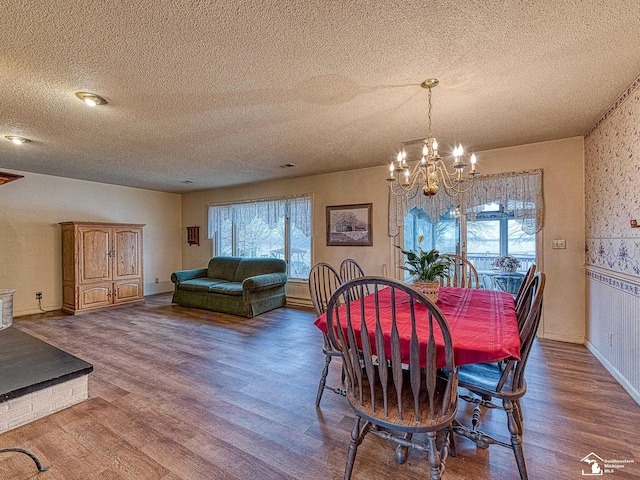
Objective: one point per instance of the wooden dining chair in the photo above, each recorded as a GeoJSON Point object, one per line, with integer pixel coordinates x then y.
{"type": "Point", "coordinates": [504, 381]}
{"type": "Point", "coordinates": [518, 299]}
{"type": "Point", "coordinates": [323, 281]}
{"type": "Point", "coordinates": [349, 270]}
{"type": "Point", "coordinates": [461, 271]}
{"type": "Point", "coordinates": [395, 389]}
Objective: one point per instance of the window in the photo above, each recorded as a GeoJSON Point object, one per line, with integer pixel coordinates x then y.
{"type": "Point", "coordinates": [278, 228]}
{"type": "Point", "coordinates": [491, 234]}
{"type": "Point", "coordinates": [502, 216]}
{"type": "Point", "coordinates": [494, 233]}
{"type": "Point", "coordinates": [442, 235]}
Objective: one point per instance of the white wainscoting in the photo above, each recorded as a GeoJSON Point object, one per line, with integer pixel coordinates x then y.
{"type": "Point", "coordinates": [613, 325]}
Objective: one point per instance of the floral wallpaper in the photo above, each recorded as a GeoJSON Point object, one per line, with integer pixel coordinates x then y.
{"type": "Point", "coordinates": [612, 186]}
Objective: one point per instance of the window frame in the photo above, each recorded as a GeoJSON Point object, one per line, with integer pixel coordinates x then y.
{"type": "Point", "coordinates": [287, 237]}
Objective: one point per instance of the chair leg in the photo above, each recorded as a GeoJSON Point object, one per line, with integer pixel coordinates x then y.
{"type": "Point", "coordinates": [357, 436]}
{"type": "Point", "coordinates": [515, 428]}
{"type": "Point", "coordinates": [434, 457]}
{"type": "Point", "coordinates": [518, 409]}
{"type": "Point", "coordinates": [323, 379]}
{"type": "Point", "coordinates": [452, 442]}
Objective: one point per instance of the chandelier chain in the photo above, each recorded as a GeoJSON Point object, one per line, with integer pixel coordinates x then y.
{"type": "Point", "coordinates": [429, 135]}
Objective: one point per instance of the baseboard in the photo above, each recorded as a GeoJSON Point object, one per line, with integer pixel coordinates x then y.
{"type": "Point", "coordinates": [563, 338]}
{"type": "Point", "coordinates": [614, 372]}
{"type": "Point", "coordinates": [33, 311]}
{"type": "Point", "coordinates": [299, 302]}
{"type": "Point", "coordinates": [155, 288]}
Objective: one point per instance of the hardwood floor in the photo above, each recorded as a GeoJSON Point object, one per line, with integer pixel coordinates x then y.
{"type": "Point", "coordinates": [180, 393]}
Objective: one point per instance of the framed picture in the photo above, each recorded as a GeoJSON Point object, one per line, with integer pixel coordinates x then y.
{"type": "Point", "coordinates": [350, 225]}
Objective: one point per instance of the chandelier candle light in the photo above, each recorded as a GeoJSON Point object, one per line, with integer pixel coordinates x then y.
{"type": "Point", "coordinates": [431, 171]}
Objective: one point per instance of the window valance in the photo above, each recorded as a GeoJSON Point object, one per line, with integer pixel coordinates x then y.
{"type": "Point", "coordinates": [271, 211]}
{"type": "Point", "coordinates": [519, 193]}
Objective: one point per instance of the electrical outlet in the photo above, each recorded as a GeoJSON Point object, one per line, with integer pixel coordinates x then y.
{"type": "Point", "coordinates": [157, 280]}
{"type": "Point", "coordinates": [38, 295]}
{"type": "Point", "coordinates": [610, 339]}
{"type": "Point", "coordinates": [559, 244]}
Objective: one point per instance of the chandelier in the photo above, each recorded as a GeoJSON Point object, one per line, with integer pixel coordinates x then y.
{"type": "Point", "coordinates": [431, 172]}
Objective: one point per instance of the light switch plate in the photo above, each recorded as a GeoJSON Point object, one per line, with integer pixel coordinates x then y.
{"type": "Point", "coordinates": [559, 244]}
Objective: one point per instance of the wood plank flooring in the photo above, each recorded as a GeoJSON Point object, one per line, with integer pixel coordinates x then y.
{"type": "Point", "coordinates": [180, 393]}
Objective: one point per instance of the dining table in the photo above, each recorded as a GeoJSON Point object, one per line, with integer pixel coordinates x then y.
{"type": "Point", "coordinates": [483, 323]}
{"type": "Point", "coordinates": [508, 282]}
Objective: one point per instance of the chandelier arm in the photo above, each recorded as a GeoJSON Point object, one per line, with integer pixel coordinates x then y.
{"type": "Point", "coordinates": [444, 168]}
{"type": "Point", "coordinates": [445, 176]}
{"type": "Point", "coordinates": [456, 184]}
{"type": "Point", "coordinates": [454, 191]}
{"type": "Point", "coordinates": [409, 193]}
{"type": "Point", "coordinates": [417, 176]}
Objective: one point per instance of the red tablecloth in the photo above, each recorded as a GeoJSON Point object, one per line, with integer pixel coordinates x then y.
{"type": "Point", "coordinates": [483, 323]}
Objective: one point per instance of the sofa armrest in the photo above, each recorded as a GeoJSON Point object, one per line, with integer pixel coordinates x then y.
{"type": "Point", "coordinates": [182, 275]}
{"type": "Point", "coordinates": [263, 282]}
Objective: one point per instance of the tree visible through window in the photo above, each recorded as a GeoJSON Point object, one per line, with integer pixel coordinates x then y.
{"type": "Point", "coordinates": [492, 234]}
{"type": "Point", "coordinates": [277, 228]}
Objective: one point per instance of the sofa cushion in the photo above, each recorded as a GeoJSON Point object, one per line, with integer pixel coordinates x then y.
{"type": "Point", "coordinates": [250, 267]}
{"type": "Point", "coordinates": [201, 284]}
{"type": "Point", "coordinates": [227, 288]}
{"type": "Point", "coordinates": [223, 267]}
{"type": "Point", "coordinates": [267, 281]}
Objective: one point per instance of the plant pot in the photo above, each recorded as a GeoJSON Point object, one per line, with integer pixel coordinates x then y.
{"type": "Point", "coordinates": [6, 308]}
{"type": "Point", "coordinates": [508, 269]}
{"type": "Point", "coordinates": [430, 289]}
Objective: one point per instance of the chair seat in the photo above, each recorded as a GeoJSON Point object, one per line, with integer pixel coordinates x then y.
{"type": "Point", "coordinates": [483, 378]}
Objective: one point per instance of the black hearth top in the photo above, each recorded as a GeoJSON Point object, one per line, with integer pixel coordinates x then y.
{"type": "Point", "coordinates": [28, 364]}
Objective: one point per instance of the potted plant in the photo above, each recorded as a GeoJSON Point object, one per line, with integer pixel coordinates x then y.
{"type": "Point", "coordinates": [506, 263]}
{"type": "Point", "coordinates": [426, 268]}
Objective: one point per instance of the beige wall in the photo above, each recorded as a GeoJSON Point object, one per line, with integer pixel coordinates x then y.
{"type": "Point", "coordinates": [562, 161]}
{"type": "Point", "coordinates": [30, 251]}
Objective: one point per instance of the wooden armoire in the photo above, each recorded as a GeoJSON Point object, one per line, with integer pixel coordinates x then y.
{"type": "Point", "coordinates": [101, 265]}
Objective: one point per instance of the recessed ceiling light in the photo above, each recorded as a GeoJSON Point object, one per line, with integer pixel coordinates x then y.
{"type": "Point", "coordinates": [16, 139]}
{"type": "Point", "coordinates": [186, 181]}
{"type": "Point", "coordinates": [91, 99]}
{"type": "Point", "coordinates": [288, 165]}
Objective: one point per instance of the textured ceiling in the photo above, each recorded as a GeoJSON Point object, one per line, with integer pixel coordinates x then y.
{"type": "Point", "coordinates": [227, 92]}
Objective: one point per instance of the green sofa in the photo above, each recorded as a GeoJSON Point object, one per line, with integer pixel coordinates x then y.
{"type": "Point", "coordinates": [236, 285]}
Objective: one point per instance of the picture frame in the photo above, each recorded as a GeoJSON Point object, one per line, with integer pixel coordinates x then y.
{"type": "Point", "coordinates": [350, 225]}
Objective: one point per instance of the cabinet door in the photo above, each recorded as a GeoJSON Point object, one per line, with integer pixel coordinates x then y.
{"type": "Point", "coordinates": [94, 246]}
{"type": "Point", "coordinates": [127, 291]}
{"type": "Point", "coordinates": [127, 245]}
{"type": "Point", "coordinates": [93, 296]}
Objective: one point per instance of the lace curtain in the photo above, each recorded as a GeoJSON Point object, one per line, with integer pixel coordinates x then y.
{"type": "Point", "coordinates": [270, 211]}
{"type": "Point", "coordinates": [519, 193]}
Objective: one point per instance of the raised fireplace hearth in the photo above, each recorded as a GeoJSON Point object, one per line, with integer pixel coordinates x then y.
{"type": "Point", "coordinates": [37, 379]}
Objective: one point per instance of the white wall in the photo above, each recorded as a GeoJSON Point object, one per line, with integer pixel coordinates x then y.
{"type": "Point", "coordinates": [30, 248]}
{"type": "Point", "coordinates": [561, 160]}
